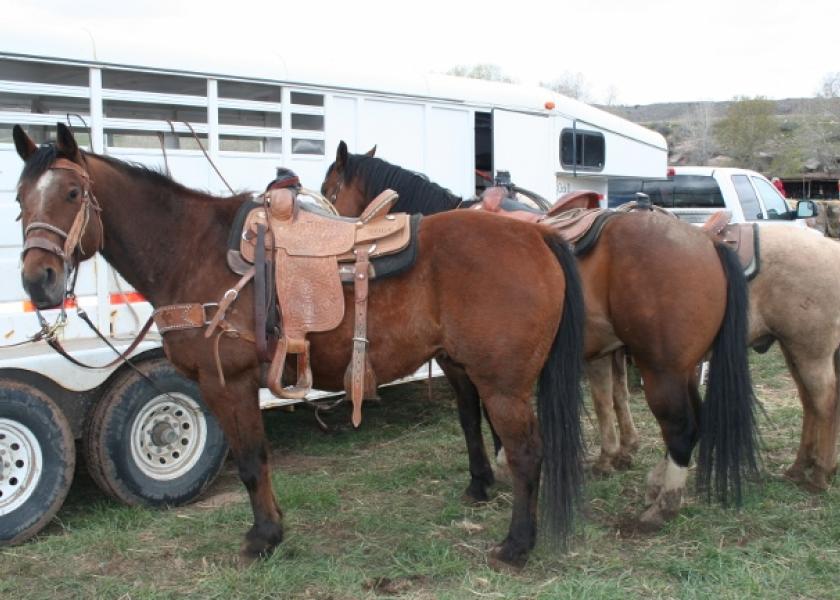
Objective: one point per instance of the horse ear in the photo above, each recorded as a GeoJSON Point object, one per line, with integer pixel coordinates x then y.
{"type": "Point", "coordinates": [372, 152]}
{"type": "Point", "coordinates": [23, 143]}
{"type": "Point", "coordinates": [65, 143]}
{"type": "Point", "coordinates": [341, 156]}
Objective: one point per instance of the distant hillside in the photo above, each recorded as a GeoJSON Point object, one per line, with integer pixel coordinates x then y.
{"type": "Point", "coordinates": [805, 136]}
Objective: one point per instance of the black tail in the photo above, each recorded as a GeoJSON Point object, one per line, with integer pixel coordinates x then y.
{"type": "Point", "coordinates": [559, 402]}
{"type": "Point", "coordinates": [728, 437]}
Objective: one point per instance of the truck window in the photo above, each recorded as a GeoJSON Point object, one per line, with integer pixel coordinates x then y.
{"type": "Point", "coordinates": [774, 204]}
{"type": "Point", "coordinates": [746, 194]}
{"type": "Point", "coordinates": [582, 149]}
{"type": "Point", "coordinates": [696, 191]}
{"type": "Point", "coordinates": [621, 191]}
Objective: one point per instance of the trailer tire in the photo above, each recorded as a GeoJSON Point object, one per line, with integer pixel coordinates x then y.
{"type": "Point", "coordinates": [153, 445]}
{"type": "Point", "coordinates": [37, 458]}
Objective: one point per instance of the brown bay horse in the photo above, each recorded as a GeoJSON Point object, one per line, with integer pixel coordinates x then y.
{"type": "Point", "coordinates": [652, 284]}
{"type": "Point", "coordinates": [500, 304]}
{"type": "Point", "coordinates": [793, 301]}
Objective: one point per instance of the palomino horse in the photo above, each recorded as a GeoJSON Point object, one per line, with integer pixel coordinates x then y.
{"type": "Point", "coordinates": [793, 300]}
{"type": "Point", "coordinates": [503, 316]}
{"type": "Point", "coordinates": [653, 284]}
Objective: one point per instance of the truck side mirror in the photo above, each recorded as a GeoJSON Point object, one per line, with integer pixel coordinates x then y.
{"type": "Point", "coordinates": [805, 209]}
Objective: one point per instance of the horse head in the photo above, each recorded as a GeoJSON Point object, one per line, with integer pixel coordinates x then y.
{"type": "Point", "coordinates": [58, 212]}
{"type": "Point", "coordinates": [341, 187]}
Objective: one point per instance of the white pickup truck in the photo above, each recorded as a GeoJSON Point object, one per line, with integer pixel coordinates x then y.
{"type": "Point", "coordinates": [695, 193]}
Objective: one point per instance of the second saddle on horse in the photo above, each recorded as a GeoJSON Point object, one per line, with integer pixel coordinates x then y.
{"type": "Point", "coordinates": [312, 253]}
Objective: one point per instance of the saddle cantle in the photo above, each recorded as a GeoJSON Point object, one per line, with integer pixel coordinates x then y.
{"type": "Point", "coordinates": [740, 237]}
{"type": "Point", "coordinates": [312, 254]}
{"type": "Point", "coordinates": [575, 215]}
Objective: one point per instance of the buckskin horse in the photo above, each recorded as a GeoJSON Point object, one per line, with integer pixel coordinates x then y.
{"type": "Point", "coordinates": [652, 284]}
{"type": "Point", "coordinates": [501, 305]}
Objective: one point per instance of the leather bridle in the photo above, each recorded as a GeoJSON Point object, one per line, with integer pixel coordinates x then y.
{"type": "Point", "coordinates": [72, 238]}
{"type": "Point", "coordinates": [73, 242]}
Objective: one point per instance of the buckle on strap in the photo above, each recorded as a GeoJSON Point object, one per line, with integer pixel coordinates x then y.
{"type": "Point", "coordinates": [205, 306]}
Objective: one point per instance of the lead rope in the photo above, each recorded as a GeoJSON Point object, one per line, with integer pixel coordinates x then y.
{"type": "Point", "coordinates": [207, 156]}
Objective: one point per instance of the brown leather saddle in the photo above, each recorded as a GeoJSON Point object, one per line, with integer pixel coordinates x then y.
{"type": "Point", "coordinates": [575, 215]}
{"type": "Point", "coordinates": [498, 200]}
{"type": "Point", "coordinates": [312, 253]}
{"type": "Point", "coordinates": [741, 237]}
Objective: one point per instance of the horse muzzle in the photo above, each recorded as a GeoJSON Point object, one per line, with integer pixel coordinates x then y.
{"type": "Point", "coordinates": [44, 284]}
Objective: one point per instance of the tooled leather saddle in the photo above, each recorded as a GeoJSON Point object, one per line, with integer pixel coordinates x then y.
{"type": "Point", "coordinates": [311, 254]}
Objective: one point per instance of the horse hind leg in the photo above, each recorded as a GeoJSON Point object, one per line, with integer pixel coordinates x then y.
{"type": "Point", "coordinates": [672, 401]}
{"type": "Point", "coordinates": [600, 375]}
{"type": "Point", "coordinates": [516, 425]}
{"type": "Point", "coordinates": [237, 409]}
{"type": "Point", "coordinates": [469, 415]}
{"type": "Point", "coordinates": [628, 434]}
{"type": "Point", "coordinates": [816, 458]}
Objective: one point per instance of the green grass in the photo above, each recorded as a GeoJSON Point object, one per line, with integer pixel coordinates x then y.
{"type": "Point", "coordinates": [378, 514]}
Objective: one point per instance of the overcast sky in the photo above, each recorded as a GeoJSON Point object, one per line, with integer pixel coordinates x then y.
{"type": "Point", "coordinates": [644, 51]}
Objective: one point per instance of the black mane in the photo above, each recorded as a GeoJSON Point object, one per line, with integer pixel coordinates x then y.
{"type": "Point", "coordinates": [417, 193]}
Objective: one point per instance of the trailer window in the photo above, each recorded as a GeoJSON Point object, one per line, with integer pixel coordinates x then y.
{"type": "Point", "coordinates": [153, 82]}
{"type": "Point", "coordinates": [52, 74]}
{"type": "Point", "coordinates": [257, 92]}
{"type": "Point", "coordinates": [307, 123]}
{"type": "Point", "coordinates": [149, 110]}
{"type": "Point", "coordinates": [582, 149]}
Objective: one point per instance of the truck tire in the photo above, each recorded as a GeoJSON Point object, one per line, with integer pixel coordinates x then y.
{"type": "Point", "coordinates": [37, 457]}
{"type": "Point", "coordinates": [153, 445]}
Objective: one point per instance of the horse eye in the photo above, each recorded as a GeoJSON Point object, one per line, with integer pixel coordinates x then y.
{"type": "Point", "coordinates": [74, 193]}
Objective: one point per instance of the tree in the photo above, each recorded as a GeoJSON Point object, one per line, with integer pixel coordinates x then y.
{"type": "Point", "coordinates": [699, 132]}
{"type": "Point", "coordinates": [570, 84]}
{"type": "Point", "coordinates": [747, 131]}
{"type": "Point", "coordinates": [486, 71]}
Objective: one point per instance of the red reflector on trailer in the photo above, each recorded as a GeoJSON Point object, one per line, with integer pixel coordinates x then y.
{"type": "Point", "coordinates": [127, 298]}
{"type": "Point", "coordinates": [29, 307]}
{"type": "Point", "coordinates": [670, 172]}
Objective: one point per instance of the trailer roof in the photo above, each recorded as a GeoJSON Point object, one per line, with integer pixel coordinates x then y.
{"type": "Point", "coordinates": [265, 60]}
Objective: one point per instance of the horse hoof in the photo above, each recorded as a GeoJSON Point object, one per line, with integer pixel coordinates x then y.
{"type": "Point", "coordinates": [651, 520]}
{"type": "Point", "coordinates": [603, 467]}
{"type": "Point", "coordinates": [622, 461]}
{"type": "Point", "coordinates": [794, 474]}
{"type": "Point", "coordinates": [259, 543]}
{"type": "Point", "coordinates": [475, 496]}
{"type": "Point", "coordinates": [506, 562]}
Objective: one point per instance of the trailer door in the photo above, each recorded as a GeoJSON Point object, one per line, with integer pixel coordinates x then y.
{"type": "Point", "coordinates": [523, 146]}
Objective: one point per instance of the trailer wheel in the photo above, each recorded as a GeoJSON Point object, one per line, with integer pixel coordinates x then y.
{"type": "Point", "coordinates": [37, 457]}
{"type": "Point", "coordinates": [153, 445]}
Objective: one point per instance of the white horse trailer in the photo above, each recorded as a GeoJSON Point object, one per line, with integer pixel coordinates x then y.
{"type": "Point", "coordinates": [252, 113]}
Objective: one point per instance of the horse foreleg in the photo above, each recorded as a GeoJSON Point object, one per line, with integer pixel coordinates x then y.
{"type": "Point", "coordinates": [517, 427]}
{"type": "Point", "coordinates": [817, 383]}
{"type": "Point", "coordinates": [469, 414]}
{"type": "Point", "coordinates": [236, 407]}
{"type": "Point", "coordinates": [628, 434]}
{"type": "Point", "coordinates": [600, 375]}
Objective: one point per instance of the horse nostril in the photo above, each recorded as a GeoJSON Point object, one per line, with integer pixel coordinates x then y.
{"type": "Point", "coordinates": [49, 276]}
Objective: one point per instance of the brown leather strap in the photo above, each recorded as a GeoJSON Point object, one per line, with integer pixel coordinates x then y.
{"type": "Point", "coordinates": [229, 298]}
{"type": "Point", "coordinates": [175, 317]}
{"type": "Point", "coordinates": [42, 243]}
{"type": "Point", "coordinates": [358, 364]}
{"type": "Point", "coordinates": [260, 307]}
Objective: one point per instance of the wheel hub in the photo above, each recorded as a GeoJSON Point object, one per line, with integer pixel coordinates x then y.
{"type": "Point", "coordinates": [20, 464]}
{"type": "Point", "coordinates": [168, 436]}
